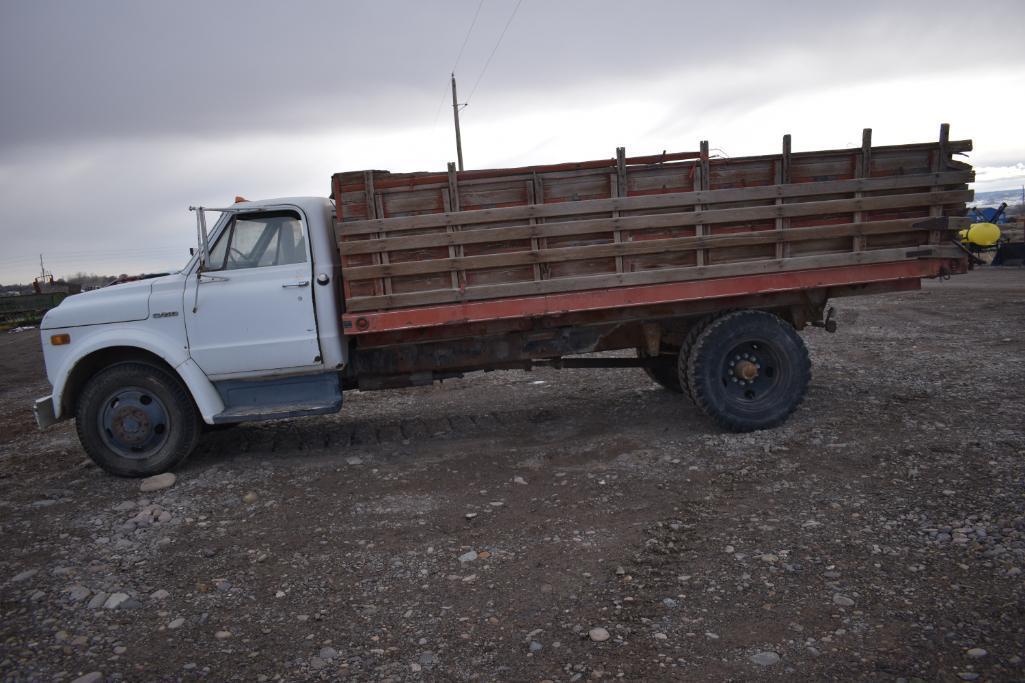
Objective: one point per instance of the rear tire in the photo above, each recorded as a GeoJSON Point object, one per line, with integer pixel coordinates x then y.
{"type": "Point", "coordinates": [136, 420]}
{"type": "Point", "coordinates": [692, 335]}
{"type": "Point", "coordinates": [748, 370]}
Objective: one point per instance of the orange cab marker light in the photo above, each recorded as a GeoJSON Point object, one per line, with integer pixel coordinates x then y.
{"type": "Point", "coordinates": [240, 199]}
{"type": "Point", "coordinates": [60, 339]}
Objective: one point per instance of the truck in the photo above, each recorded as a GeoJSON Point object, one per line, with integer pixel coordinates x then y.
{"type": "Point", "coordinates": [699, 269]}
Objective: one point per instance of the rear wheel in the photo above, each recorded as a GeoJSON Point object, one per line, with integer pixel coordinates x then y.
{"type": "Point", "coordinates": [692, 335]}
{"type": "Point", "coordinates": [136, 420]}
{"type": "Point", "coordinates": [748, 370]}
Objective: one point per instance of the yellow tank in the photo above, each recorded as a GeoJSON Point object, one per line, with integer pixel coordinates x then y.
{"type": "Point", "coordinates": [980, 234]}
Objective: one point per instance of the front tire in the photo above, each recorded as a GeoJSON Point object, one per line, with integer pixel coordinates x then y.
{"type": "Point", "coordinates": [748, 370]}
{"type": "Point", "coordinates": [136, 420]}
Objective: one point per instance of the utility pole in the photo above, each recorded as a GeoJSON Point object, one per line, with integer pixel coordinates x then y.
{"type": "Point", "coordinates": [455, 114]}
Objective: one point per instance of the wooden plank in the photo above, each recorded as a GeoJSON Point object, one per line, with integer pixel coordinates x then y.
{"type": "Point", "coordinates": [457, 320]}
{"type": "Point", "coordinates": [583, 173]}
{"type": "Point", "coordinates": [651, 277]}
{"type": "Point", "coordinates": [863, 170]}
{"type": "Point", "coordinates": [659, 201]}
{"type": "Point", "coordinates": [665, 220]}
{"type": "Point", "coordinates": [620, 249]}
{"type": "Point", "coordinates": [407, 181]}
{"type": "Point", "coordinates": [956, 146]}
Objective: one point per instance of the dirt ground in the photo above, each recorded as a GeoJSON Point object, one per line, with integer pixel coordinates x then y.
{"type": "Point", "coordinates": [480, 529]}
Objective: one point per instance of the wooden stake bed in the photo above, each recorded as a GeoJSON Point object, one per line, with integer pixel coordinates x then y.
{"type": "Point", "coordinates": [436, 249]}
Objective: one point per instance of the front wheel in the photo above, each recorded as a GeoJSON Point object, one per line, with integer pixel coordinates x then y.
{"type": "Point", "coordinates": [748, 370]}
{"type": "Point", "coordinates": [136, 420]}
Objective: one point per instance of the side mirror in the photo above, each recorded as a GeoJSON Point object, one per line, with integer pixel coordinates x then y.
{"type": "Point", "coordinates": [192, 251]}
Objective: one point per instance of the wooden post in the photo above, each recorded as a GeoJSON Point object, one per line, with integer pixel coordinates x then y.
{"type": "Point", "coordinates": [538, 197]}
{"type": "Point", "coordinates": [534, 243]}
{"type": "Point", "coordinates": [944, 146]}
{"type": "Point", "coordinates": [450, 200]}
{"type": "Point", "coordinates": [385, 258]}
{"type": "Point", "coordinates": [368, 188]}
{"type": "Point", "coordinates": [617, 184]}
{"type": "Point", "coordinates": [701, 182]}
{"type": "Point", "coordinates": [862, 169]}
{"type": "Point", "coordinates": [371, 204]}
{"type": "Point", "coordinates": [939, 163]}
{"type": "Point", "coordinates": [782, 178]}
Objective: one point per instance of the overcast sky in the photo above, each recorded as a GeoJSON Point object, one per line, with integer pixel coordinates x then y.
{"type": "Point", "coordinates": [115, 115]}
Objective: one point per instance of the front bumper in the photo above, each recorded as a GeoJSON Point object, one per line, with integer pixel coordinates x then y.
{"type": "Point", "coordinates": [43, 409]}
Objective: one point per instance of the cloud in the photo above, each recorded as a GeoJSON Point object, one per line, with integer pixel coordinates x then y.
{"type": "Point", "coordinates": [122, 68]}
{"type": "Point", "coordinates": [989, 178]}
{"type": "Point", "coordinates": [117, 115]}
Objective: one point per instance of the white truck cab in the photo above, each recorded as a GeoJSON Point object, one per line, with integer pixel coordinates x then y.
{"type": "Point", "coordinates": [248, 330]}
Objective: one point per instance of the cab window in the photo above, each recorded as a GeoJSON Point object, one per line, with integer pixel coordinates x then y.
{"type": "Point", "coordinates": [256, 240]}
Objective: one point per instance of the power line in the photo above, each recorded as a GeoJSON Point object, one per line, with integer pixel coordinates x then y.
{"type": "Point", "coordinates": [468, 32]}
{"type": "Point", "coordinates": [466, 39]}
{"type": "Point", "coordinates": [494, 50]}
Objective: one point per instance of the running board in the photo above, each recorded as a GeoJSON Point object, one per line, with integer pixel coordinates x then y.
{"type": "Point", "coordinates": [278, 398]}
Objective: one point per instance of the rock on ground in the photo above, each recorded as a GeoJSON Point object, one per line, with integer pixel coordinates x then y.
{"type": "Point", "coordinates": [158, 482]}
{"type": "Point", "coordinates": [765, 658]}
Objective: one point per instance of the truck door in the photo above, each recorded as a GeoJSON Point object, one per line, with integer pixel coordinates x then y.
{"type": "Point", "coordinates": [254, 309]}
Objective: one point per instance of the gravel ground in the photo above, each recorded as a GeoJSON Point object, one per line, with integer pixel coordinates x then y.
{"type": "Point", "coordinates": [555, 525]}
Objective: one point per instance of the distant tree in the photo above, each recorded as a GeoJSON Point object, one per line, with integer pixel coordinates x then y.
{"type": "Point", "coordinates": [90, 280]}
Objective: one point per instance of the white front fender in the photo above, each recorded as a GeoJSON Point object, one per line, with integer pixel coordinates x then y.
{"type": "Point", "coordinates": [85, 341]}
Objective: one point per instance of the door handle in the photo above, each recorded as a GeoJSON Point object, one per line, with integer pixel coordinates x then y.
{"type": "Point", "coordinates": [300, 283]}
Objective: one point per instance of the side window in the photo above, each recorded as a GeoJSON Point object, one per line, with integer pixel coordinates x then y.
{"type": "Point", "coordinates": [219, 250]}
{"type": "Point", "coordinates": [256, 240]}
